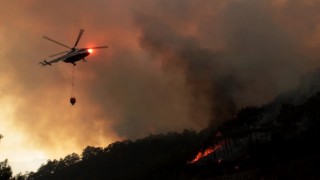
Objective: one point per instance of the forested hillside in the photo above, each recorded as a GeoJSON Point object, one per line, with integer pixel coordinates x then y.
{"type": "Point", "coordinates": [154, 157]}
{"type": "Point", "coordinates": [255, 143]}
{"type": "Point", "coordinates": [278, 141]}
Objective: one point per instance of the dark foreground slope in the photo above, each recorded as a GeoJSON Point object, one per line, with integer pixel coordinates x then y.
{"type": "Point", "coordinates": [277, 141]}
{"type": "Point", "coordinates": [154, 157]}
{"type": "Point", "coordinates": [257, 143]}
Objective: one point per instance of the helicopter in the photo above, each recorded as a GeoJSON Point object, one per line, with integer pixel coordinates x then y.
{"type": "Point", "coordinates": [73, 54]}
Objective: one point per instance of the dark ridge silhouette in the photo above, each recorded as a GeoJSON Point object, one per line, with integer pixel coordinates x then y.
{"type": "Point", "coordinates": [279, 140]}
{"type": "Point", "coordinates": [154, 157]}
{"type": "Point", "coordinates": [253, 145]}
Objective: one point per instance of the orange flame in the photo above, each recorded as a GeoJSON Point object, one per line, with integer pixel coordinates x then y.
{"type": "Point", "coordinates": [205, 153]}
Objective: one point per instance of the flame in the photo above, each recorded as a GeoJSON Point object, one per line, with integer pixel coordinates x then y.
{"type": "Point", "coordinates": [206, 152]}
{"type": "Point", "coordinates": [90, 50]}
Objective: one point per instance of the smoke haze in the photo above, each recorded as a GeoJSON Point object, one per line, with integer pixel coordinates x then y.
{"type": "Point", "coordinates": [171, 65]}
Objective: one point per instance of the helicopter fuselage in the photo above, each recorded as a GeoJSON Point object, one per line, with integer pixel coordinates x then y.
{"type": "Point", "coordinates": [76, 55]}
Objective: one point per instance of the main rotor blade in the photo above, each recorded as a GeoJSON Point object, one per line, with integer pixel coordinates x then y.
{"type": "Point", "coordinates": [79, 36]}
{"type": "Point", "coordinates": [47, 38]}
{"type": "Point", "coordinates": [53, 55]}
{"type": "Point", "coordinates": [98, 47]}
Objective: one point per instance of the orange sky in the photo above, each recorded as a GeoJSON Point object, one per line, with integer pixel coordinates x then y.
{"type": "Point", "coordinates": [164, 58]}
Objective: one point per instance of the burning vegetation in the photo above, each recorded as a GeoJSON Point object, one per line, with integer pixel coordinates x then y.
{"type": "Point", "coordinates": [206, 152]}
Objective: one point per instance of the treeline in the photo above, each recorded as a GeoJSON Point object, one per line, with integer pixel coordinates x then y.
{"type": "Point", "coordinates": [254, 144]}
{"type": "Point", "coordinates": [161, 156]}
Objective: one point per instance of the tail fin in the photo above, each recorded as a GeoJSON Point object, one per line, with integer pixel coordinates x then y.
{"type": "Point", "coordinates": [44, 63]}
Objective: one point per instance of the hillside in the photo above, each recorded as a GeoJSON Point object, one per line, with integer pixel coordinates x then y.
{"type": "Point", "coordinates": [252, 146]}
{"type": "Point", "coordinates": [154, 157]}
{"type": "Point", "coordinates": [276, 141]}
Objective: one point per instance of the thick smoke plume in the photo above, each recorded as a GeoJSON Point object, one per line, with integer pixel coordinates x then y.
{"type": "Point", "coordinates": [237, 55]}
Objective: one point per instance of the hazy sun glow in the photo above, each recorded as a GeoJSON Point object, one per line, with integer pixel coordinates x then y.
{"type": "Point", "coordinates": [22, 159]}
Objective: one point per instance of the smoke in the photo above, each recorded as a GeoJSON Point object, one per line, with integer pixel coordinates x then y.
{"type": "Point", "coordinates": [257, 59]}
{"type": "Point", "coordinates": [171, 64]}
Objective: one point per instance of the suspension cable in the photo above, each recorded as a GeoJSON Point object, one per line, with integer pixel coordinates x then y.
{"type": "Point", "coordinates": [72, 80]}
{"type": "Point", "coordinates": [72, 99]}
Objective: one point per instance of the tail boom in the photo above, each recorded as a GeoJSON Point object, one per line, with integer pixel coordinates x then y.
{"type": "Point", "coordinates": [44, 63]}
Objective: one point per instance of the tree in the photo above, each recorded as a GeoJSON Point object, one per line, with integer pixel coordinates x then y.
{"type": "Point", "coordinates": [90, 152]}
{"type": "Point", "coordinates": [20, 176]}
{"type": "Point", "coordinates": [5, 170]}
{"type": "Point", "coordinates": [247, 117]}
{"type": "Point", "coordinates": [71, 159]}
